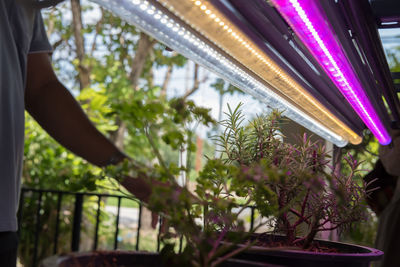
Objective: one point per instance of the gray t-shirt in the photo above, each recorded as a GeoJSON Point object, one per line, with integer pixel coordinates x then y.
{"type": "Point", "coordinates": [21, 32]}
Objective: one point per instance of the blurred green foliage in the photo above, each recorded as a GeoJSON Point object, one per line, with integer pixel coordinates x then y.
{"type": "Point", "coordinates": [111, 100]}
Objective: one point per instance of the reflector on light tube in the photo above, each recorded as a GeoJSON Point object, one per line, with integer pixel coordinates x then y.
{"type": "Point", "coordinates": [310, 24]}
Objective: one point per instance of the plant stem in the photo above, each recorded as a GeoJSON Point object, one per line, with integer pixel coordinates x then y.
{"type": "Point", "coordinates": [157, 152]}
{"type": "Point", "coordinates": [303, 206]}
{"type": "Point", "coordinates": [230, 255]}
{"type": "Point", "coordinates": [216, 244]}
{"type": "Point", "coordinates": [314, 229]}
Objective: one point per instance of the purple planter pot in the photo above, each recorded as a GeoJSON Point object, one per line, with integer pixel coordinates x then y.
{"type": "Point", "coordinates": [348, 256]}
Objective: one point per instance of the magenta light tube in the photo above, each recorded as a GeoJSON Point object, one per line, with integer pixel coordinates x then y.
{"type": "Point", "coordinates": [311, 25]}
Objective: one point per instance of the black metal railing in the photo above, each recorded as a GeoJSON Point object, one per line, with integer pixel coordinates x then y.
{"type": "Point", "coordinates": [79, 199]}
{"type": "Point", "coordinates": [77, 214]}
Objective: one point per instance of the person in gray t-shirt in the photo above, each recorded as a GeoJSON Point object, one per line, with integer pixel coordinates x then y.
{"type": "Point", "coordinates": [28, 82]}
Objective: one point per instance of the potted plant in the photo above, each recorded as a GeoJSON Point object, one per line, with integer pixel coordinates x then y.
{"type": "Point", "coordinates": [202, 230]}
{"type": "Point", "coordinates": [297, 189]}
{"type": "Point", "coordinates": [292, 187]}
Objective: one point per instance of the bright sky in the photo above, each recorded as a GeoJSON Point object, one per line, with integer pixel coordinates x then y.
{"type": "Point", "coordinates": [390, 38]}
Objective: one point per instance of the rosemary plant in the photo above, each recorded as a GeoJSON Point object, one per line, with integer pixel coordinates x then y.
{"type": "Point", "coordinates": [295, 185]}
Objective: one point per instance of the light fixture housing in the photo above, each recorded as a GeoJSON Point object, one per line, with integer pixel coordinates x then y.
{"type": "Point", "coordinates": [214, 25]}
{"type": "Point", "coordinates": [310, 24]}
{"type": "Point", "coordinates": [166, 27]}
{"type": "Point", "coordinates": [206, 19]}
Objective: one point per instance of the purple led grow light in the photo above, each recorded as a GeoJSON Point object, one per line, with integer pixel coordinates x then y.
{"type": "Point", "coordinates": [310, 24]}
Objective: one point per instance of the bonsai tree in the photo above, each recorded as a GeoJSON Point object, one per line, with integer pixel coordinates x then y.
{"type": "Point", "coordinates": [295, 185]}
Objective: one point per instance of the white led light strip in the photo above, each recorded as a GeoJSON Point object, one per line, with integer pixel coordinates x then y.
{"type": "Point", "coordinates": [145, 16]}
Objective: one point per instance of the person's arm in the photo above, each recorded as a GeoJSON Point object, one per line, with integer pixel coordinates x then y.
{"type": "Point", "coordinates": [57, 111]}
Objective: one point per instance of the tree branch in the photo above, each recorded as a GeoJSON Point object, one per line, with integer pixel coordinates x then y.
{"type": "Point", "coordinates": [167, 79]}
{"type": "Point", "coordinates": [216, 244]}
{"type": "Point", "coordinates": [230, 255]}
{"type": "Point", "coordinates": [303, 206]}
{"type": "Point", "coordinates": [77, 26]}
{"type": "Point", "coordinates": [57, 44]}
{"type": "Point", "coordinates": [50, 26]}
{"type": "Point", "coordinates": [157, 152]}
{"type": "Point", "coordinates": [196, 82]}
{"type": "Point", "coordinates": [99, 25]}
{"type": "Point", "coordinates": [301, 217]}
{"type": "Point", "coordinates": [144, 46]}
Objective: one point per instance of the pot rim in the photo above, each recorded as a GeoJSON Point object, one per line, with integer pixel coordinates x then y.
{"type": "Point", "coordinates": [370, 254]}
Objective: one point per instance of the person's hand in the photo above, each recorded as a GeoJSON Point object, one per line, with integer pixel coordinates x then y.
{"type": "Point", "coordinates": [141, 188]}
{"type": "Point", "coordinates": [390, 154]}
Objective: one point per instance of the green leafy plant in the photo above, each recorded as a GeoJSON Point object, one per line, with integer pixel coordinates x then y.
{"type": "Point", "coordinates": [202, 219]}
{"type": "Point", "coordinates": [293, 188]}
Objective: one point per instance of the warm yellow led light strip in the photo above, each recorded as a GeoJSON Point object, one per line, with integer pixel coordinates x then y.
{"type": "Point", "coordinates": [207, 20]}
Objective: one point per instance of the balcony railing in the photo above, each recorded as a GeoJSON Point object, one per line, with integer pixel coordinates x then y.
{"type": "Point", "coordinates": [37, 195]}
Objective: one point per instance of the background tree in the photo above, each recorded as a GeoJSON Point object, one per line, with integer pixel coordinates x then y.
{"type": "Point", "coordinates": [109, 66]}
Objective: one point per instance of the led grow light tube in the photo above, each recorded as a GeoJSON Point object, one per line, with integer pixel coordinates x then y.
{"type": "Point", "coordinates": [176, 35]}
{"type": "Point", "coordinates": [216, 27]}
{"type": "Point", "coordinates": [310, 24]}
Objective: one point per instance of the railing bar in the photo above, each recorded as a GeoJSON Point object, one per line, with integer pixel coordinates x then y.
{"type": "Point", "coordinates": [204, 215]}
{"type": "Point", "coordinates": [180, 244]}
{"type": "Point", "coordinates": [20, 211]}
{"type": "Point", "coordinates": [252, 218]}
{"type": "Point", "coordinates": [159, 233]}
{"type": "Point", "coordinates": [117, 225]}
{"type": "Point", "coordinates": [76, 227]}
{"type": "Point", "coordinates": [138, 228]}
{"type": "Point", "coordinates": [35, 249]}
{"type": "Point", "coordinates": [59, 200]}
{"type": "Point", "coordinates": [73, 193]}
{"type": "Point", "coordinates": [96, 231]}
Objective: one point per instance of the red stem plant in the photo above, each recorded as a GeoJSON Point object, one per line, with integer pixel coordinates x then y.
{"type": "Point", "coordinates": [295, 184]}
